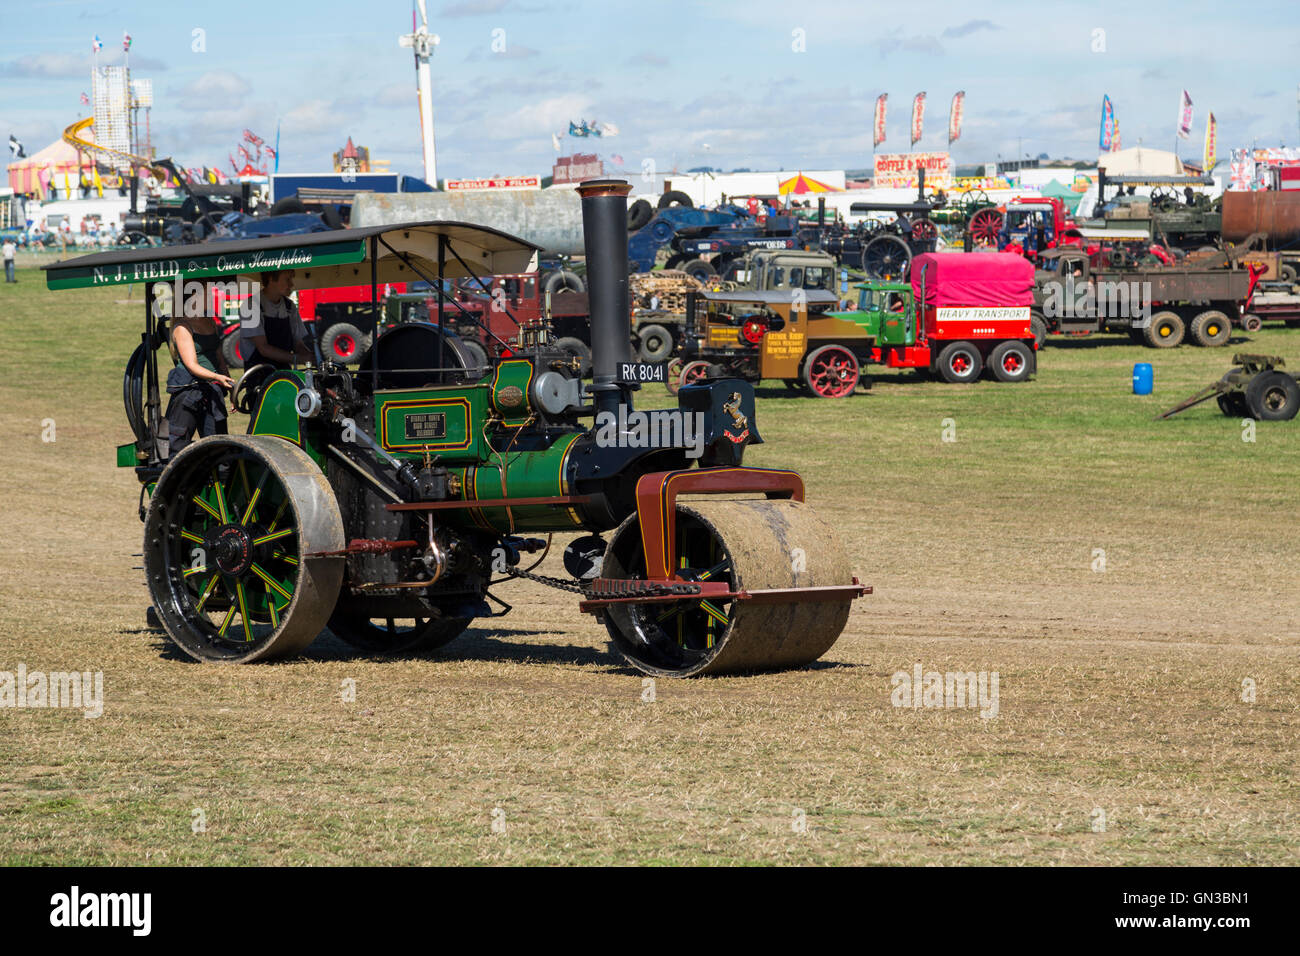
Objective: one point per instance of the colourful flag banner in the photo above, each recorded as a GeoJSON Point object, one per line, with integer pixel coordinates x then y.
{"type": "Point", "coordinates": [96, 44]}
{"type": "Point", "coordinates": [1114, 146]}
{"type": "Point", "coordinates": [1210, 157]}
{"type": "Point", "coordinates": [918, 117]}
{"type": "Point", "coordinates": [954, 116]}
{"type": "Point", "coordinates": [126, 42]}
{"type": "Point", "coordinates": [1185, 116]}
{"type": "Point", "coordinates": [879, 136]}
{"type": "Point", "coordinates": [1106, 139]}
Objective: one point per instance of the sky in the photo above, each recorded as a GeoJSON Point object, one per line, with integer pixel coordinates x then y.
{"type": "Point", "coordinates": [765, 84]}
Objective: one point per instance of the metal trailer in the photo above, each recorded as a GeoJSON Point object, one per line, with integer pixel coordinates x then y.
{"type": "Point", "coordinates": [1254, 388]}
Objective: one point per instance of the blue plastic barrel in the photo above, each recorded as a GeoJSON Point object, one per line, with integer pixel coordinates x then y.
{"type": "Point", "coordinates": [1144, 378]}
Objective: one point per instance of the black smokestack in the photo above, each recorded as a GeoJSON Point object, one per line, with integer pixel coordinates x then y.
{"type": "Point", "coordinates": [604, 235]}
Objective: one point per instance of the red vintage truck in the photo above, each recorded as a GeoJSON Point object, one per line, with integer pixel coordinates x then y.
{"type": "Point", "coordinates": [957, 315]}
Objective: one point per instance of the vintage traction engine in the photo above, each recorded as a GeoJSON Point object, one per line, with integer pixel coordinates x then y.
{"type": "Point", "coordinates": [390, 502]}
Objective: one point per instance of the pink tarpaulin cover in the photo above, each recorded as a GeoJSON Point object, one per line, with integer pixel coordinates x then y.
{"type": "Point", "coordinates": [975, 279]}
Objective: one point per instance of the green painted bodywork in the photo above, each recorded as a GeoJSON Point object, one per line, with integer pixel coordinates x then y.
{"type": "Point", "coordinates": [874, 315]}
{"type": "Point", "coordinates": [529, 474]}
{"type": "Point", "coordinates": [210, 266]}
{"type": "Point", "coordinates": [447, 422]}
{"type": "Point", "coordinates": [127, 457]}
{"type": "Point", "coordinates": [278, 415]}
{"type": "Point", "coordinates": [512, 374]}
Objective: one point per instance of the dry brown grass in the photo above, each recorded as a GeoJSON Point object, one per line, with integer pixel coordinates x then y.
{"type": "Point", "coordinates": [1119, 690]}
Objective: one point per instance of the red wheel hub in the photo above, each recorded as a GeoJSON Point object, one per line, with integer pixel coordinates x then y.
{"type": "Point", "coordinates": [344, 346]}
{"type": "Point", "coordinates": [1012, 362]}
{"type": "Point", "coordinates": [961, 363]}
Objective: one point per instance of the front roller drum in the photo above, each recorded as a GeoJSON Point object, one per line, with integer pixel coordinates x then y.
{"type": "Point", "coordinates": [233, 549]}
{"type": "Point", "coordinates": [754, 545]}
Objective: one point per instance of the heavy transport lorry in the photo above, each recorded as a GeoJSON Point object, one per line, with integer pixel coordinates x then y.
{"type": "Point", "coordinates": [393, 503]}
{"type": "Point", "coordinates": [958, 316]}
{"type": "Point", "coordinates": [1155, 306]}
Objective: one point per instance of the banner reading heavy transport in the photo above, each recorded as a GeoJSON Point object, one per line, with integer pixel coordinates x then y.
{"type": "Point", "coordinates": [954, 116]}
{"type": "Point", "coordinates": [918, 117]}
{"type": "Point", "coordinates": [898, 170]}
{"type": "Point", "coordinates": [879, 135]}
{"type": "Point", "coordinates": [1210, 158]}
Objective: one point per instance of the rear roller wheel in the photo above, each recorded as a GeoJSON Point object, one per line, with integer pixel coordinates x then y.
{"type": "Point", "coordinates": [691, 373]}
{"type": "Point", "coordinates": [985, 226]}
{"type": "Point", "coordinates": [886, 257]}
{"type": "Point", "coordinates": [748, 543]}
{"type": "Point", "coordinates": [1011, 362]}
{"type": "Point", "coordinates": [232, 549]}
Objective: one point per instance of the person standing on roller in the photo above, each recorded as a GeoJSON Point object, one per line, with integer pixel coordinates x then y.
{"type": "Point", "coordinates": [275, 336]}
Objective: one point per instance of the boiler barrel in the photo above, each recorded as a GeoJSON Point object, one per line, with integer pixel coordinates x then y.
{"type": "Point", "coordinates": [1275, 213]}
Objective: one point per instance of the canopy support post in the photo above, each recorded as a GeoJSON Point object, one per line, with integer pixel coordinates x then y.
{"type": "Point", "coordinates": [442, 298]}
{"type": "Point", "coordinates": [153, 403]}
{"type": "Point", "coordinates": [374, 313]}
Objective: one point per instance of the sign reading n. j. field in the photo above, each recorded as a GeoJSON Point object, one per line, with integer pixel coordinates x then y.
{"type": "Point", "coordinates": [898, 170]}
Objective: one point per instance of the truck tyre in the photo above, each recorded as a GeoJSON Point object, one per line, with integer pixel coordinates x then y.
{"type": "Point", "coordinates": [1011, 362]}
{"type": "Point", "coordinates": [639, 215]}
{"type": "Point", "coordinates": [960, 362]}
{"type": "Point", "coordinates": [656, 343]}
{"type": "Point", "coordinates": [1165, 331]}
{"type": "Point", "coordinates": [230, 350]}
{"type": "Point", "coordinates": [329, 215]}
{"type": "Point", "coordinates": [675, 260]}
{"type": "Point", "coordinates": [1251, 322]}
{"type": "Point", "coordinates": [342, 343]}
{"type": "Point", "coordinates": [1273, 397]}
{"type": "Point", "coordinates": [1286, 272]}
{"type": "Point", "coordinates": [287, 206]}
{"type": "Point", "coordinates": [563, 279]}
{"type": "Point", "coordinates": [1211, 328]}
{"type": "Point", "coordinates": [576, 348]}
{"type": "Point", "coordinates": [1039, 326]}
{"type": "Point", "coordinates": [698, 269]}
{"type": "Point", "coordinates": [676, 198]}
{"type": "Point", "coordinates": [1233, 404]}
{"type": "Point", "coordinates": [1137, 336]}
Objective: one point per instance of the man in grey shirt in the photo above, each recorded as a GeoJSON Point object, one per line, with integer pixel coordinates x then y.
{"type": "Point", "coordinates": [276, 335]}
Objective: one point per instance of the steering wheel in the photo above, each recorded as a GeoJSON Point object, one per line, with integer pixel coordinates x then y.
{"type": "Point", "coordinates": [241, 399]}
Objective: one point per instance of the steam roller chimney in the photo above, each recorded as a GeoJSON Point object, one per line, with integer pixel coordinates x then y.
{"type": "Point", "coordinates": [604, 234]}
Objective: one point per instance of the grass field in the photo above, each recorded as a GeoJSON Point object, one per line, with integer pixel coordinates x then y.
{"type": "Point", "coordinates": [1121, 734]}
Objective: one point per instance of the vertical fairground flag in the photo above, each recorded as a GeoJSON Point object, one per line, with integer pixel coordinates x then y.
{"type": "Point", "coordinates": [954, 116]}
{"type": "Point", "coordinates": [126, 42]}
{"type": "Point", "coordinates": [918, 116]}
{"type": "Point", "coordinates": [1106, 140]}
{"type": "Point", "coordinates": [1185, 116]}
{"type": "Point", "coordinates": [1210, 145]}
{"type": "Point", "coordinates": [879, 135]}
{"type": "Point", "coordinates": [96, 44]}
{"type": "Point", "coordinates": [1114, 146]}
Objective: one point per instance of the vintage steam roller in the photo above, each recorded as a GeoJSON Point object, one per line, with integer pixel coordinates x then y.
{"type": "Point", "coordinates": [391, 502]}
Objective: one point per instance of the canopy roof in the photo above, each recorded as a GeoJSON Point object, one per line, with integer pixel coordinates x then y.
{"type": "Point", "coordinates": [973, 279]}
{"type": "Point", "coordinates": [773, 297]}
{"type": "Point", "coordinates": [320, 259]}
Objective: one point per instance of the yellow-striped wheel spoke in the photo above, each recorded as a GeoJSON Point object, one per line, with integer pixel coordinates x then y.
{"type": "Point", "coordinates": [224, 515]}
{"type": "Point", "coordinates": [286, 558]}
{"type": "Point", "coordinates": [274, 536]}
{"type": "Point", "coordinates": [207, 507]}
{"type": "Point", "coordinates": [712, 611]}
{"type": "Point", "coordinates": [191, 536]}
{"type": "Point", "coordinates": [243, 610]}
{"type": "Point", "coordinates": [207, 593]}
{"type": "Point", "coordinates": [252, 499]}
{"type": "Point", "coordinates": [279, 513]}
{"type": "Point", "coordinates": [225, 621]}
{"type": "Point", "coordinates": [271, 583]}
{"type": "Point", "coordinates": [190, 572]}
